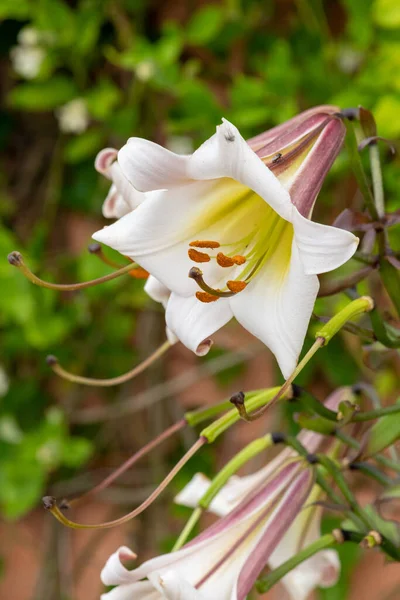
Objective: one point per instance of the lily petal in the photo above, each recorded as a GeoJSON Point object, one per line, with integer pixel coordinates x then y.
{"type": "Point", "coordinates": [174, 587]}
{"type": "Point", "coordinates": [322, 248]}
{"type": "Point", "coordinates": [157, 290]}
{"type": "Point", "coordinates": [321, 570]}
{"type": "Point", "coordinates": [281, 306]}
{"type": "Point", "coordinates": [149, 166]}
{"type": "Point", "coordinates": [193, 321]}
{"type": "Point", "coordinates": [104, 160]}
{"type": "Point", "coordinates": [227, 154]}
{"type": "Point", "coordinates": [157, 234]}
{"type": "Point", "coordinates": [140, 590]}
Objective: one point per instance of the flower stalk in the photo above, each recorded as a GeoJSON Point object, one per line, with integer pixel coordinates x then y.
{"type": "Point", "coordinates": [328, 540]}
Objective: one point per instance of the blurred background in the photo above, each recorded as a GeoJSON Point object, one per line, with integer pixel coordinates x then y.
{"type": "Point", "coordinates": [77, 76]}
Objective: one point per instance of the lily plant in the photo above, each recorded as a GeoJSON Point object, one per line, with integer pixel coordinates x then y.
{"type": "Point", "coordinates": [227, 230]}
{"type": "Point", "coordinates": [224, 561]}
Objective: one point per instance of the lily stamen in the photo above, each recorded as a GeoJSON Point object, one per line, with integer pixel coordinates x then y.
{"type": "Point", "coordinates": [205, 244]}
{"type": "Point", "coordinates": [199, 257]}
{"type": "Point", "coordinates": [197, 275]}
{"type": "Point", "coordinates": [16, 259]}
{"type": "Point", "coordinates": [97, 250]}
{"type": "Point", "coordinates": [52, 361]}
{"type": "Point", "coordinates": [206, 297]}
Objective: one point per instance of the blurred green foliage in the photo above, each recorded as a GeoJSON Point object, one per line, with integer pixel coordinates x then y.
{"type": "Point", "coordinates": [166, 73]}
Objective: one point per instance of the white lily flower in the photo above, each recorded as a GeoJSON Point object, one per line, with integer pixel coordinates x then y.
{"type": "Point", "coordinates": [224, 561]}
{"type": "Point", "coordinates": [323, 568]}
{"type": "Point", "coordinates": [255, 219]}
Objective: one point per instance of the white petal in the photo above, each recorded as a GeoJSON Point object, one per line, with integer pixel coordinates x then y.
{"type": "Point", "coordinates": [193, 321]}
{"type": "Point", "coordinates": [104, 160]}
{"type": "Point", "coordinates": [197, 487]}
{"type": "Point", "coordinates": [227, 154]}
{"type": "Point", "coordinates": [131, 196]}
{"type": "Point", "coordinates": [149, 166]}
{"type": "Point", "coordinates": [276, 307]}
{"type": "Point", "coordinates": [321, 570]}
{"type": "Point", "coordinates": [322, 248]}
{"type": "Point", "coordinates": [157, 291]}
{"type": "Point", "coordinates": [140, 590]}
{"type": "Point", "coordinates": [114, 206]}
{"type": "Point", "coordinates": [114, 572]}
{"type": "Point", "coordinates": [174, 587]}
{"type": "Point", "coordinates": [157, 234]}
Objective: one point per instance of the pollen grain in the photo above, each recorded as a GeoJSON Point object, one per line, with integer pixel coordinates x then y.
{"type": "Point", "coordinates": [224, 261]}
{"type": "Point", "coordinates": [206, 297]}
{"type": "Point", "coordinates": [238, 259]}
{"type": "Point", "coordinates": [204, 244]}
{"type": "Point", "coordinates": [199, 257]}
{"type": "Point", "coordinates": [236, 286]}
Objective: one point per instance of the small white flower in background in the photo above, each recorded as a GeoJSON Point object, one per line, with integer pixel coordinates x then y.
{"type": "Point", "coordinates": [145, 70]}
{"type": "Point", "coordinates": [224, 561]}
{"type": "Point", "coordinates": [250, 204]}
{"type": "Point", "coordinates": [4, 382]}
{"type": "Point", "coordinates": [73, 117]}
{"type": "Point", "coordinates": [28, 56]}
{"type": "Point", "coordinates": [322, 569]}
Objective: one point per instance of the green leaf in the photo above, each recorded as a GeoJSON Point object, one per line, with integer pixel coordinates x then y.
{"type": "Point", "coordinates": [384, 433]}
{"type": "Point", "coordinates": [205, 25]}
{"type": "Point", "coordinates": [84, 146]}
{"type": "Point", "coordinates": [386, 13]}
{"type": "Point", "coordinates": [43, 95]}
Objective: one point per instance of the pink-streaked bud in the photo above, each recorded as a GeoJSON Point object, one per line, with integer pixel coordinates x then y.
{"type": "Point", "coordinates": [301, 151]}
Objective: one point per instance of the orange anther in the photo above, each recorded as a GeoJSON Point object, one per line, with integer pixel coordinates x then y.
{"type": "Point", "coordinates": [238, 259]}
{"type": "Point", "coordinates": [199, 257]}
{"type": "Point", "coordinates": [204, 244]}
{"type": "Point", "coordinates": [206, 297]}
{"type": "Point", "coordinates": [224, 261]}
{"type": "Point", "coordinates": [236, 286]}
{"type": "Point", "coordinates": [139, 273]}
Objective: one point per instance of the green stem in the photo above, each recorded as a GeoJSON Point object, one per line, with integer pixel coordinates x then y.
{"type": "Point", "coordinates": [251, 450]}
{"type": "Point", "coordinates": [215, 429]}
{"type": "Point", "coordinates": [352, 147]}
{"type": "Point", "coordinates": [187, 530]}
{"type": "Point", "coordinates": [195, 417]}
{"type": "Point", "coordinates": [266, 583]}
{"type": "Point", "coordinates": [340, 481]}
{"type": "Point", "coordinates": [382, 332]}
{"type": "Point", "coordinates": [375, 414]}
{"type": "Point", "coordinates": [373, 472]}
